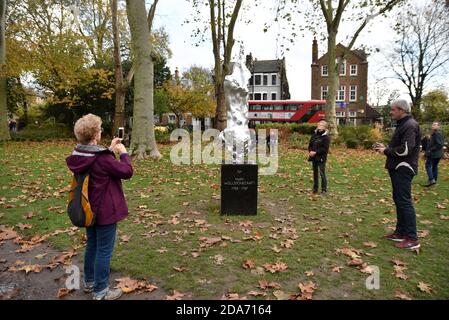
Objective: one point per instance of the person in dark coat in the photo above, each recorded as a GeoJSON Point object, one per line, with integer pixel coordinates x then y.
{"type": "Point", "coordinates": [106, 198]}
{"type": "Point", "coordinates": [434, 153]}
{"type": "Point", "coordinates": [318, 150]}
{"type": "Point", "coordinates": [402, 155]}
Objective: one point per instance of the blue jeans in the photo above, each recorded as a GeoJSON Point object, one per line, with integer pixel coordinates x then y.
{"type": "Point", "coordinates": [402, 195]}
{"type": "Point", "coordinates": [97, 258]}
{"type": "Point", "coordinates": [321, 168]}
{"type": "Point", "coordinates": [432, 168]}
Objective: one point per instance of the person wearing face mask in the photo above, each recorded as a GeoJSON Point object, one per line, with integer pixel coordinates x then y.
{"type": "Point", "coordinates": [318, 150]}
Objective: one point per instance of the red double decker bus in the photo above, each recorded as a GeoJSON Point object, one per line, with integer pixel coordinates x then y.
{"type": "Point", "coordinates": [261, 111]}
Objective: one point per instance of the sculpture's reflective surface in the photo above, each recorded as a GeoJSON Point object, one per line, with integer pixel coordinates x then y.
{"type": "Point", "coordinates": [237, 134]}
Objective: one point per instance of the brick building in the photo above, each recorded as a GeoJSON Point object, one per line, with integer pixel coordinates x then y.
{"type": "Point", "coordinates": [268, 79]}
{"type": "Point", "coordinates": [351, 100]}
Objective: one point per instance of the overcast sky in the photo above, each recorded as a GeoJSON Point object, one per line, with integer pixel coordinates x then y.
{"type": "Point", "coordinates": [171, 14]}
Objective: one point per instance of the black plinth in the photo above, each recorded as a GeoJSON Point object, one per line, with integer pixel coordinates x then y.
{"type": "Point", "coordinates": [239, 189]}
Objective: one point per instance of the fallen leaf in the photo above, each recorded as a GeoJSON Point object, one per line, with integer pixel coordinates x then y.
{"type": "Point", "coordinates": [246, 224]}
{"type": "Point", "coordinates": [218, 259]}
{"type": "Point", "coordinates": [264, 285]}
{"type": "Point", "coordinates": [402, 296]}
{"type": "Point", "coordinates": [255, 293]}
{"type": "Point", "coordinates": [287, 243]}
{"type": "Point", "coordinates": [7, 234]}
{"type": "Point", "coordinates": [174, 221]}
{"type": "Point", "coordinates": [248, 264]}
{"type": "Point", "coordinates": [398, 262]}
{"type": "Point", "coordinates": [162, 250]}
{"type": "Point", "coordinates": [337, 269]}
{"type": "Point", "coordinates": [355, 262]}
{"type": "Point", "coordinates": [276, 267]}
{"type": "Point", "coordinates": [307, 289]}
{"type": "Point", "coordinates": [176, 296]}
{"type": "Point", "coordinates": [309, 273]}
{"type": "Point", "coordinates": [125, 238]}
{"type": "Point", "coordinates": [63, 292]}
{"type": "Point", "coordinates": [232, 296]}
{"type": "Point", "coordinates": [128, 285]}
{"type": "Point", "coordinates": [281, 295]}
{"type": "Point", "coordinates": [366, 269]}
{"type": "Point", "coordinates": [424, 287]}
{"type": "Point", "coordinates": [209, 242]}
{"type": "Point", "coordinates": [423, 233]}
{"type": "Point", "coordinates": [180, 269]}
{"type": "Point", "coordinates": [370, 244]}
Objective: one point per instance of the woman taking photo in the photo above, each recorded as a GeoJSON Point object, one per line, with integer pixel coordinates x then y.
{"type": "Point", "coordinates": [106, 198]}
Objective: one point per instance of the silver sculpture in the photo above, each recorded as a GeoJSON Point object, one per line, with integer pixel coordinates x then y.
{"type": "Point", "coordinates": [237, 136]}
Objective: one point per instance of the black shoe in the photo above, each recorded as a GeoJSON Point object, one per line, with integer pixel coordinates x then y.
{"type": "Point", "coordinates": [314, 191]}
{"type": "Point", "coordinates": [323, 191]}
{"type": "Point", "coordinates": [431, 183]}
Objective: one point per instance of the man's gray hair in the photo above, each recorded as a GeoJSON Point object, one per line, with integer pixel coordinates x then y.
{"type": "Point", "coordinates": [402, 104]}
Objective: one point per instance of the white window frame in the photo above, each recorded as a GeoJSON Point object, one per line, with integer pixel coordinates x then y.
{"type": "Point", "coordinates": [261, 79]}
{"type": "Point", "coordinates": [265, 75]}
{"type": "Point", "coordinates": [350, 70]}
{"type": "Point", "coordinates": [324, 89]}
{"type": "Point", "coordinates": [343, 63]}
{"type": "Point", "coordinates": [170, 120]}
{"type": "Point", "coordinates": [340, 90]}
{"type": "Point", "coordinates": [340, 114]}
{"type": "Point", "coordinates": [323, 74]}
{"type": "Point", "coordinates": [352, 114]}
{"type": "Point", "coordinates": [255, 96]}
{"type": "Point", "coordinates": [271, 79]}
{"type": "Point", "coordinates": [351, 91]}
{"type": "Point", "coordinates": [263, 94]}
{"type": "Point", "coordinates": [271, 95]}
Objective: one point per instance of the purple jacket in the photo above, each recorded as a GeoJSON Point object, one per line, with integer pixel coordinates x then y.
{"type": "Point", "coordinates": [105, 186]}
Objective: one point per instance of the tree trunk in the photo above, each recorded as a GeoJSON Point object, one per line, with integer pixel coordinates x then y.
{"type": "Point", "coordinates": [333, 83]}
{"type": "Point", "coordinates": [4, 129]}
{"type": "Point", "coordinates": [120, 90]}
{"type": "Point", "coordinates": [221, 112]}
{"type": "Point", "coordinates": [142, 138]}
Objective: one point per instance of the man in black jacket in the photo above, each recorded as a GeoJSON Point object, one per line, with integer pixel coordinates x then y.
{"type": "Point", "coordinates": [318, 150]}
{"type": "Point", "coordinates": [402, 164]}
{"type": "Point", "coordinates": [434, 153]}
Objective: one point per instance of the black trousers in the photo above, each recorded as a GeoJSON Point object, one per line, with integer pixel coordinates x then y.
{"type": "Point", "coordinates": [320, 167]}
{"type": "Point", "coordinates": [401, 182]}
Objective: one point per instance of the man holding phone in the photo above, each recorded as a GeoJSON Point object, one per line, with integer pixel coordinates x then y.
{"type": "Point", "coordinates": [402, 164]}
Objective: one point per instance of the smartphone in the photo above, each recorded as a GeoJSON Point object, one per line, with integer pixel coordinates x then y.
{"type": "Point", "coordinates": [121, 133]}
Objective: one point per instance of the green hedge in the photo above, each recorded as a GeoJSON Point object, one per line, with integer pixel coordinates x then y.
{"type": "Point", "coordinates": [302, 128]}
{"type": "Point", "coordinates": [299, 141]}
{"type": "Point", "coordinates": [42, 132]}
{"type": "Point", "coordinates": [359, 136]}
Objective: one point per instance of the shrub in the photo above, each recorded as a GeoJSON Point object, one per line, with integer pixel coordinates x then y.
{"type": "Point", "coordinates": [162, 137]}
{"type": "Point", "coordinates": [43, 132]}
{"type": "Point", "coordinates": [352, 143]}
{"type": "Point", "coordinates": [363, 135]}
{"type": "Point", "coordinates": [299, 141]}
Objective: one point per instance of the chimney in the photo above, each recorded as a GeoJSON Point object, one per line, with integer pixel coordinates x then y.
{"type": "Point", "coordinates": [249, 61]}
{"type": "Point", "coordinates": [177, 75]}
{"type": "Point", "coordinates": [314, 51]}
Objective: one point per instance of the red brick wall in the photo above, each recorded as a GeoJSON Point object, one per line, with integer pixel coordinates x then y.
{"type": "Point", "coordinates": [360, 80]}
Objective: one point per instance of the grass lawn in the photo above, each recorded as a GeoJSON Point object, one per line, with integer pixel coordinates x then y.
{"type": "Point", "coordinates": [176, 237]}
